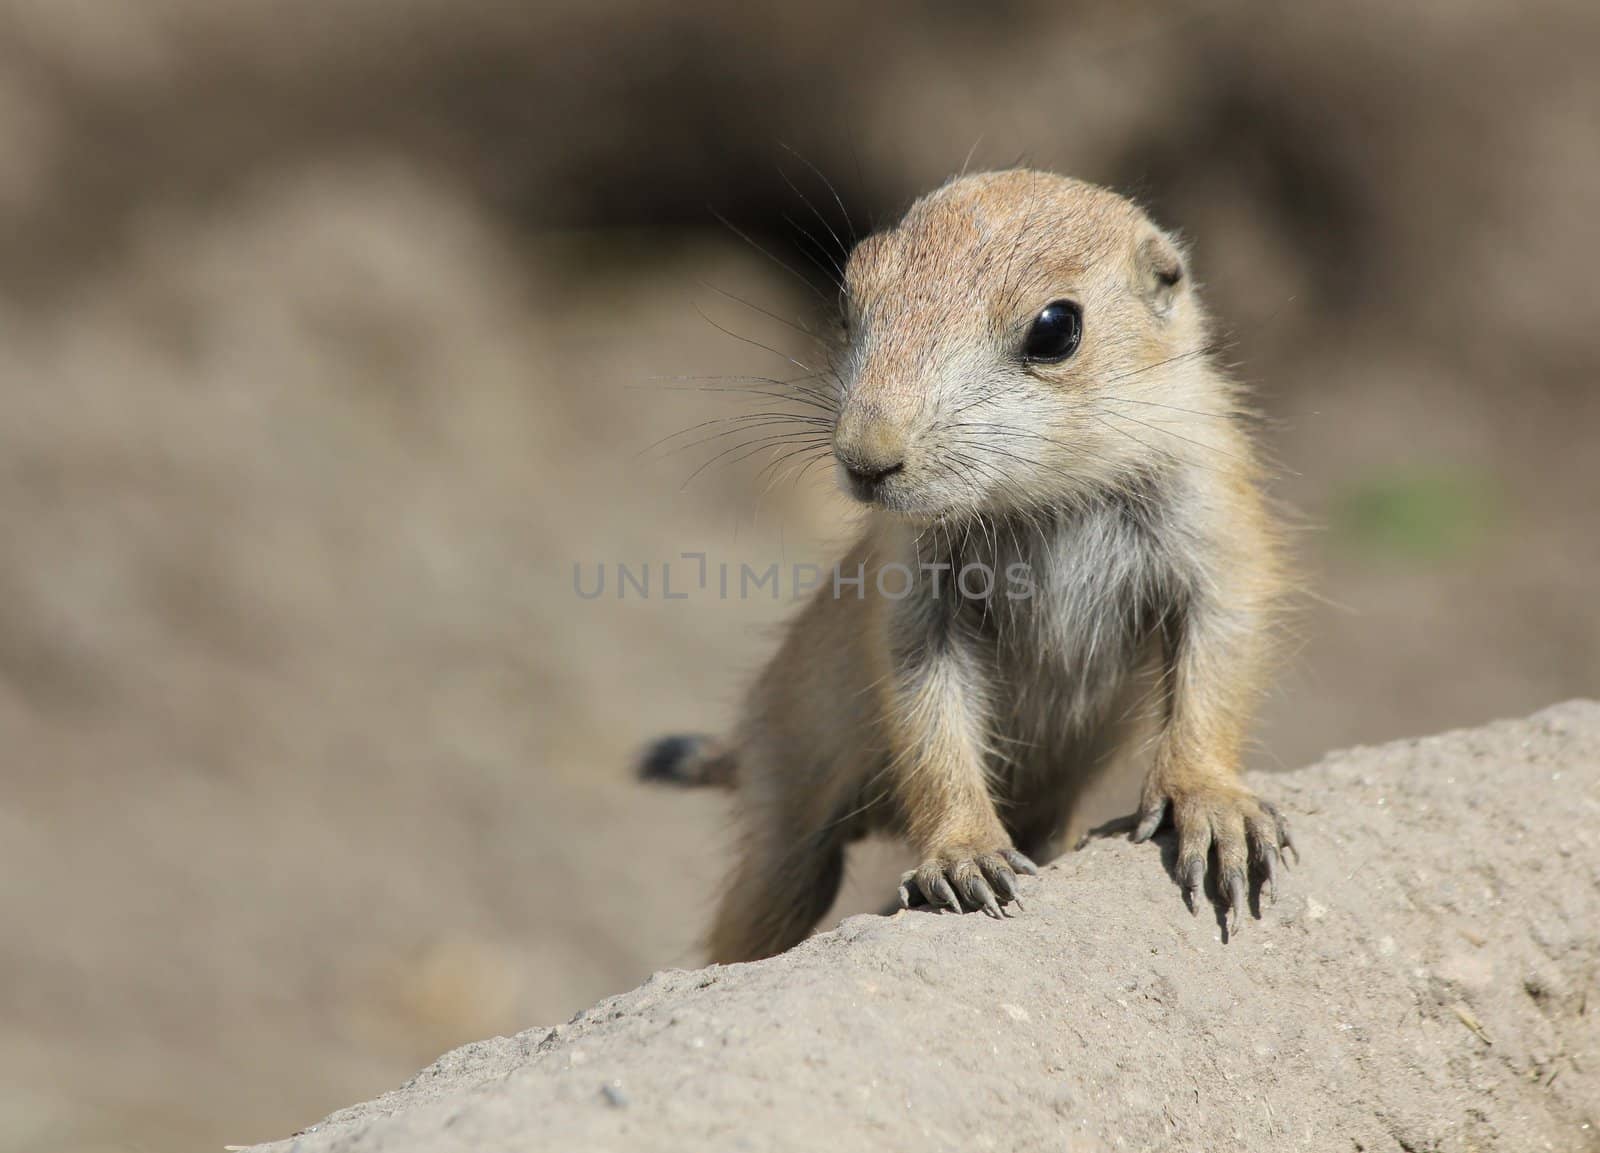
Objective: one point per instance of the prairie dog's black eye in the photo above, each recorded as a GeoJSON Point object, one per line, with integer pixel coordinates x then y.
{"type": "Point", "coordinates": [1055, 333]}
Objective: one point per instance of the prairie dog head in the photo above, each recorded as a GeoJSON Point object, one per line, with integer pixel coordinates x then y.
{"type": "Point", "coordinates": [1018, 339]}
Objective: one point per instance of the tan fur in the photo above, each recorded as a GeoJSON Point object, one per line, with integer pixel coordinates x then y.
{"type": "Point", "coordinates": [1123, 478]}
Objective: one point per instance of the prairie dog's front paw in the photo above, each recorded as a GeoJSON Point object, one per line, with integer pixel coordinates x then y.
{"type": "Point", "coordinates": [967, 879]}
{"type": "Point", "coordinates": [1217, 814]}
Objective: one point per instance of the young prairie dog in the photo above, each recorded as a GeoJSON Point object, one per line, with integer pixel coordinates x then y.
{"type": "Point", "coordinates": [1024, 380]}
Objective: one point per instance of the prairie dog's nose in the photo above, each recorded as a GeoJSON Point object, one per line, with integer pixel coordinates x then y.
{"type": "Point", "coordinates": [870, 445]}
{"type": "Point", "coordinates": [867, 472]}
{"type": "Point", "coordinates": [870, 476]}
{"type": "Point", "coordinates": [873, 472]}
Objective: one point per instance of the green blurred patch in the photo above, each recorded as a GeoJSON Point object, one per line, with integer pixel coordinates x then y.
{"type": "Point", "coordinates": [1418, 514]}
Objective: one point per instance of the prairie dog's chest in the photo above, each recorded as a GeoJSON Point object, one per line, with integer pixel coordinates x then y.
{"type": "Point", "coordinates": [1063, 653]}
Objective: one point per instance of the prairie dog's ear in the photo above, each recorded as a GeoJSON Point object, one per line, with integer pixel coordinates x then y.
{"type": "Point", "coordinates": [1159, 271]}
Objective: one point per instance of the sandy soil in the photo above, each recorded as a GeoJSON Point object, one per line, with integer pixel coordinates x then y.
{"type": "Point", "coordinates": [1401, 993]}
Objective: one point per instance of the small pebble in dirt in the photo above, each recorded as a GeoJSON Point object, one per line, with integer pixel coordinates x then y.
{"type": "Point", "coordinates": [615, 1097]}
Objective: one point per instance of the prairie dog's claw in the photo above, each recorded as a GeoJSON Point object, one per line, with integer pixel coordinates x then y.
{"type": "Point", "coordinates": [1149, 820]}
{"type": "Point", "coordinates": [1227, 825]}
{"type": "Point", "coordinates": [982, 881]}
{"type": "Point", "coordinates": [1020, 862]}
{"type": "Point", "coordinates": [1237, 901]}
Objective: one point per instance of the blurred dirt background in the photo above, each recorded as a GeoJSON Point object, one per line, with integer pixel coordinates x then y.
{"type": "Point", "coordinates": [333, 334]}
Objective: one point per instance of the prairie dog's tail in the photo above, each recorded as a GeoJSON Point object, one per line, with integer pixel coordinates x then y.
{"type": "Point", "coordinates": [689, 761]}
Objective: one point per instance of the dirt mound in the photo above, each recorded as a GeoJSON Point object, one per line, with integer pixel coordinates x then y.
{"type": "Point", "coordinates": [1424, 982]}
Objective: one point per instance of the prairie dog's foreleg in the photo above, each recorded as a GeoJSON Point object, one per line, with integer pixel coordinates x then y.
{"type": "Point", "coordinates": [936, 704]}
{"type": "Point", "coordinates": [1212, 666]}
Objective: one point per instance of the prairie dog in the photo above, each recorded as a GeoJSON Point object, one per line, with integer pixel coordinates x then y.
{"type": "Point", "coordinates": [1023, 387]}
